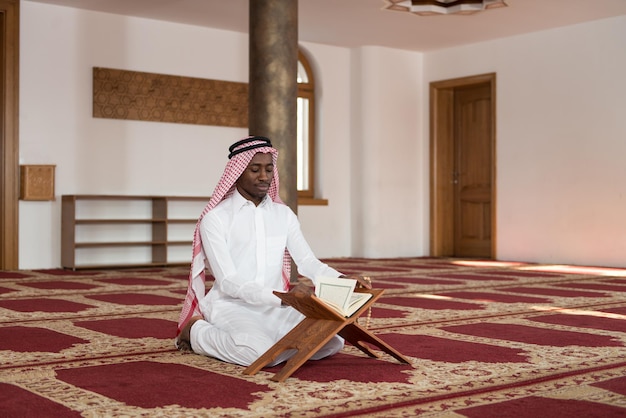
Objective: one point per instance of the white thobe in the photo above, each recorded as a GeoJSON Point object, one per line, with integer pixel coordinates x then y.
{"type": "Point", "coordinates": [244, 245]}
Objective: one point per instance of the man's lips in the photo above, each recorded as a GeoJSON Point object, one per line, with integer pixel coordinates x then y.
{"type": "Point", "coordinates": [263, 186]}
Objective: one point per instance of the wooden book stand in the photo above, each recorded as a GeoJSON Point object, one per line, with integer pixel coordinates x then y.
{"type": "Point", "coordinates": [320, 324]}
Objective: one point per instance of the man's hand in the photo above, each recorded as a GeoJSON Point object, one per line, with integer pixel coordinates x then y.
{"type": "Point", "coordinates": [300, 290]}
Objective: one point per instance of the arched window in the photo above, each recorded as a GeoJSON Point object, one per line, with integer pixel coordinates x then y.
{"type": "Point", "coordinates": [306, 129]}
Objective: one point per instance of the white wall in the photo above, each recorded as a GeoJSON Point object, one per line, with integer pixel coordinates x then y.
{"type": "Point", "coordinates": [561, 133]}
{"type": "Point", "coordinates": [390, 189]}
{"type": "Point", "coordinates": [561, 140]}
{"type": "Point", "coordinates": [377, 194]}
{"type": "Point", "coordinates": [59, 47]}
{"type": "Point", "coordinates": [327, 228]}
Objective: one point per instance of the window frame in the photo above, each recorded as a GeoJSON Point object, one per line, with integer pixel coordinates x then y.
{"type": "Point", "coordinates": [307, 91]}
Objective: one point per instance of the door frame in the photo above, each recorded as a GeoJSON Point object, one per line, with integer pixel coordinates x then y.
{"type": "Point", "coordinates": [9, 139]}
{"type": "Point", "coordinates": [442, 162]}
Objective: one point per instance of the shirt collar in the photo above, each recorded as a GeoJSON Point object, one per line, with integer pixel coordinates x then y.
{"type": "Point", "coordinates": [240, 201]}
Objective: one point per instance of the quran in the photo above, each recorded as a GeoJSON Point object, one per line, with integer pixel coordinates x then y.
{"type": "Point", "coordinates": [339, 294]}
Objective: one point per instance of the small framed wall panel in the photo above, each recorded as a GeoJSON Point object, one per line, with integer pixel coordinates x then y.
{"type": "Point", "coordinates": [37, 182]}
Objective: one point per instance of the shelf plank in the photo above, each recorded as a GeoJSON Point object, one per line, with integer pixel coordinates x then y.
{"type": "Point", "coordinates": [190, 198]}
{"type": "Point", "coordinates": [117, 221]}
{"type": "Point", "coordinates": [135, 197]}
{"type": "Point", "coordinates": [127, 265]}
{"type": "Point", "coordinates": [115, 266]}
{"type": "Point", "coordinates": [118, 244]}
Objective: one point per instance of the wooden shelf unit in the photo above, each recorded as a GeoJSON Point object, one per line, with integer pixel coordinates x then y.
{"type": "Point", "coordinates": [157, 221]}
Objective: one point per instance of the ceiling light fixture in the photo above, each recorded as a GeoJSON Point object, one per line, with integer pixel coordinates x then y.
{"type": "Point", "coordinates": [439, 7]}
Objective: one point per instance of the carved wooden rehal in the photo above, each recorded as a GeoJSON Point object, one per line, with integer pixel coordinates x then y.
{"type": "Point", "coordinates": [132, 95]}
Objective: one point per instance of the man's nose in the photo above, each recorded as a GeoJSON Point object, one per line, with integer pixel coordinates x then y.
{"type": "Point", "coordinates": [263, 175]}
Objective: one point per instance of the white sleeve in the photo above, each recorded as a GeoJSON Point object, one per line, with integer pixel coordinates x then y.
{"type": "Point", "coordinates": [308, 264]}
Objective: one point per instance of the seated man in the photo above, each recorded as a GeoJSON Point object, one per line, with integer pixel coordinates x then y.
{"type": "Point", "coordinates": [246, 236]}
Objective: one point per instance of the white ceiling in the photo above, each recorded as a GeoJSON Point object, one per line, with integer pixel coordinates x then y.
{"type": "Point", "coordinates": [353, 23]}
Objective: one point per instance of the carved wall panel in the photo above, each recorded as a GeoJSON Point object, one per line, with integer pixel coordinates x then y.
{"type": "Point", "coordinates": [133, 95]}
{"type": "Point", "coordinates": [37, 182]}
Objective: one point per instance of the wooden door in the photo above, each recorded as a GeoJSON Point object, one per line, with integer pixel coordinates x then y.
{"type": "Point", "coordinates": [463, 167]}
{"type": "Point", "coordinates": [472, 171]}
{"type": "Point", "coordinates": [9, 161]}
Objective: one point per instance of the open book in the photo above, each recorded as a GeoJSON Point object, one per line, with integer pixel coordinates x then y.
{"type": "Point", "coordinates": [339, 294]}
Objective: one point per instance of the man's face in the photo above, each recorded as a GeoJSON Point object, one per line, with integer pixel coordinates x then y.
{"type": "Point", "coordinates": [256, 179]}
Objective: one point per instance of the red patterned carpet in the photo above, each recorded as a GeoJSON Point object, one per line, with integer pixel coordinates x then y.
{"type": "Point", "coordinates": [485, 340]}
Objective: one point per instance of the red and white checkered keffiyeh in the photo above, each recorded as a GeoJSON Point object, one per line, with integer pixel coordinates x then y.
{"type": "Point", "coordinates": [225, 187]}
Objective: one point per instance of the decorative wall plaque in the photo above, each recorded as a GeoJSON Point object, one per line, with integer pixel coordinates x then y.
{"type": "Point", "coordinates": [37, 182]}
{"type": "Point", "coordinates": [132, 95]}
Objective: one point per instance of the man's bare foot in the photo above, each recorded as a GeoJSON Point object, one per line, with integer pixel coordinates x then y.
{"type": "Point", "coordinates": [183, 342]}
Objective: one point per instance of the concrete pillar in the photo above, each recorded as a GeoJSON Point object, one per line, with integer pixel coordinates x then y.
{"type": "Point", "coordinates": [273, 88]}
